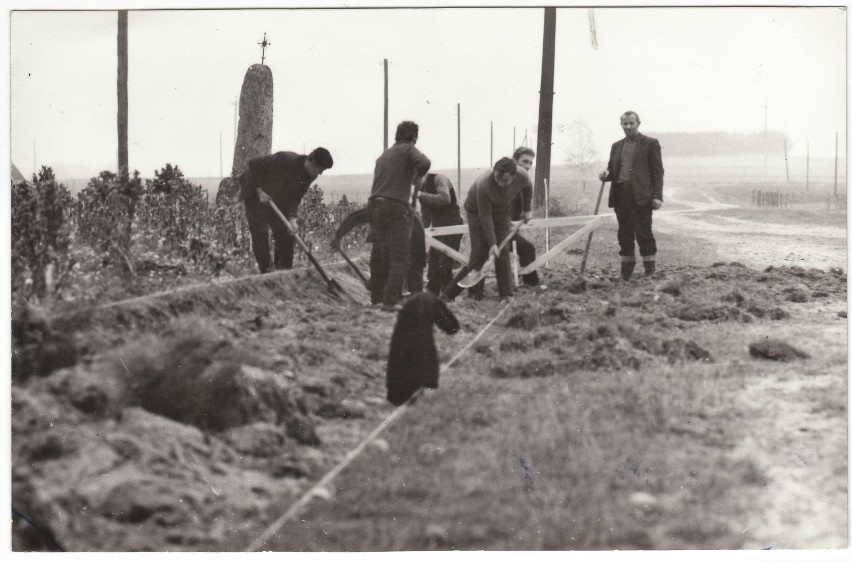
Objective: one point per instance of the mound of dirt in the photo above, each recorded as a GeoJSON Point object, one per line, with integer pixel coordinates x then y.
{"type": "Point", "coordinates": [37, 349]}
{"type": "Point", "coordinates": [776, 350]}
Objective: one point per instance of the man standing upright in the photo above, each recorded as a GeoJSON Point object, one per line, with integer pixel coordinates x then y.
{"type": "Point", "coordinates": [390, 213]}
{"type": "Point", "coordinates": [636, 171]}
{"type": "Point", "coordinates": [283, 178]}
{"type": "Point", "coordinates": [440, 208]}
{"type": "Point", "coordinates": [524, 157]}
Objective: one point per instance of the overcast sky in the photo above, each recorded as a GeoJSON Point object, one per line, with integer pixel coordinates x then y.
{"type": "Point", "coordinates": [681, 69]}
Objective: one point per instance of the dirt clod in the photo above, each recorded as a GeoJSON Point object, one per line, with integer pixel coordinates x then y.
{"type": "Point", "coordinates": [775, 350]}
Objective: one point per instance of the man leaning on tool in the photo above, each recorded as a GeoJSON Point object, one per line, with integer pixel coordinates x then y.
{"type": "Point", "coordinates": [440, 208]}
{"type": "Point", "coordinates": [636, 171]}
{"type": "Point", "coordinates": [283, 178]}
{"type": "Point", "coordinates": [489, 206]}
{"type": "Point", "coordinates": [391, 215]}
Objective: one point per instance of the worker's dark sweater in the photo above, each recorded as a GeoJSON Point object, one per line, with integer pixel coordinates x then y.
{"type": "Point", "coordinates": [488, 200]}
{"type": "Point", "coordinates": [282, 176]}
{"type": "Point", "coordinates": [395, 170]}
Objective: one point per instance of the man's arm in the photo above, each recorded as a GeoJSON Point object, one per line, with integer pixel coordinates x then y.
{"type": "Point", "coordinates": [485, 209]}
{"type": "Point", "coordinates": [419, 163]}
{"type": "Point", "coordinates": [607, 174]}
{"type": "Point", "coordinates": [527, 194]}
{"type": "Point", "coordinates": [655, 164]}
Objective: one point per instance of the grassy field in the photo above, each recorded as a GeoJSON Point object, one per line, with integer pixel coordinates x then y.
{"type": "Point", "coordinates": [597, 415]}
{"type": "Point", "coordinates": [523, 448]}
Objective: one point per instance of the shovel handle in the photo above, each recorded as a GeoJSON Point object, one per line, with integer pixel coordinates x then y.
{"type": "Point", "coordinates": [475, 276]}
{"type": "Point", "coordinates": [302, 244]}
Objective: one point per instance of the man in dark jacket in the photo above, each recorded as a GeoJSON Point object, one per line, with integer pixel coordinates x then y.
{"type": "Point", "coordinates": [636, 171]}
{"type": "Point", "coordinates": [440, 208]}
{"type": "Point", "coordinates": [391, 215]}
{"type": "Point", "coordinates": [283, 178]}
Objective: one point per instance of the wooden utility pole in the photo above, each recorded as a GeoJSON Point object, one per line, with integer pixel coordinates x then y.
{"type": "Point", "coordinates": [386, 104]}
{"type": "Point", "coordinates": [458, 145]}
{"type": "Point", "coordinates": [123, 168]}
{"type": "Point", "coordinates": [545, 106]}
{"type": "Point", "coordinates": [808, 168]}
{"type": "Point", "coordinates": [491, 153]}
{"type": "Point", "coordinates": [765, 130]}
{"type": "Point", "coordinates": [835, 166]}
{"type": "Point", "coordinates": [786, 166]}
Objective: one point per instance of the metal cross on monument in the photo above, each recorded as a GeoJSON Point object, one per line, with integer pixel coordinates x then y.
{"type": "Point", "coordinates": [263, 45]}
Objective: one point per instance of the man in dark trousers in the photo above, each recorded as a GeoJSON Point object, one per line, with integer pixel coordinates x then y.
{"type": "Point", "coordinates": [524, 158]}
{"type": "Point", "coordinates": [283, 178]}
{"type": "Point", "coordinates": [489, 206]}
{"type": "Point", "coordinates": [414, 278]}
{"type": "Point", "coordinates": [636, 171]}
{"type": "Point", "coordinates": [391, 215]}
{"type": "Point", "coordinates": [439, 208]}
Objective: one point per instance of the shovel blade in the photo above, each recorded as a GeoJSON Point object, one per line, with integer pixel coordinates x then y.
{"type": "Point", "coordinates": [471, 279]}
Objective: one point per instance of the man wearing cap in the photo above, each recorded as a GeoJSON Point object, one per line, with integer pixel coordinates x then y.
{"type": "Point", "coordinates": [635, 169]}
{"type": "Point", "coordinates": [282, 178]}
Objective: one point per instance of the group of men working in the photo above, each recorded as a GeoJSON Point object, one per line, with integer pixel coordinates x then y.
{"type": "Point", "coordinates": [495, 199]}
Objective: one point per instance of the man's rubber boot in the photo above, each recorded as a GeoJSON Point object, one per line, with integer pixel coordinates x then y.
{"type": "Point", "coordinates": [650, 267]}
{"type": "Point", "coordinates": [628, 264]}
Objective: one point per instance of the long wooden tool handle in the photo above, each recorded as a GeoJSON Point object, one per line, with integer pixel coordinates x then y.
{"type": "Point", "coordinates": [301, 243]}
{"type": "Point", "coordinates": [589, 239]}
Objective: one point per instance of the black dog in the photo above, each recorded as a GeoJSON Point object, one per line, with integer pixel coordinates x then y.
{"type": "Point", "coordinates": [413, 360]}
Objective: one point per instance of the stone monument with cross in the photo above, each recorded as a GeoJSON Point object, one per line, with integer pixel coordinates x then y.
{"type": "Point", "coordinates": [254, 129]}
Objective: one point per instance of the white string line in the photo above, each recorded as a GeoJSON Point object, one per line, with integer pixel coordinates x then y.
{"type": "Point", "coordinates": [353, 454]}
{"type": "Point", "coordinates": [209, 284]}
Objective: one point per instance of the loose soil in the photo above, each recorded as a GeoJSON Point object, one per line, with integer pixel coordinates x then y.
{"type": "Point", "coordinates": [193, 424]}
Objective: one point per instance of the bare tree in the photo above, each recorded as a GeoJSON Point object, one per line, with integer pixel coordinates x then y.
{"type": "Point", "coordinates": [581, 155]}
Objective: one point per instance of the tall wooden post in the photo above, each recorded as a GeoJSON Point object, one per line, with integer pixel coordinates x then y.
{"type": "Point", "coordinates": [808, 168]}
{"type": "Point", "coordinates": [386, 104]}
{"type": "Point", "coordinates": [458, 145]}
{"type": "Point", "coordinates": [835, 166]}
{"type": "Point", "coordinates": [123, 169]}
{"type": "Point", "coordinates": [786, 166]}
{"type": "Point", "coordinates": [491, 152]}
{"type": "Point", "coordinates": [545, 106]}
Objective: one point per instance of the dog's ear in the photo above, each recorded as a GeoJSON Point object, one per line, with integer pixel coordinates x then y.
{"type": "Point", "coordinates": [444, 317]}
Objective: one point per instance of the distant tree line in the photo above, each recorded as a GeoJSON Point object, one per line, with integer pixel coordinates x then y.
{"type": "Point", "coordinates": [720, 143]}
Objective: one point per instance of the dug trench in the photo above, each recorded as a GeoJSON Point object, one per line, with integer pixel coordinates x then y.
{"type": "Point", "coordinates": [599, 414]}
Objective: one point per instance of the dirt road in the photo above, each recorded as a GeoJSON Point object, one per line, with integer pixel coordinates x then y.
{"type": "Point", "coordinates": [791, 422]}
{"type": "Point", "coordinates": [755, 244]}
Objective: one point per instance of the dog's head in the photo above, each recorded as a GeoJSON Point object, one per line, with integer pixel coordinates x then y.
{"type": "Point", "coordinates": [425, 305]}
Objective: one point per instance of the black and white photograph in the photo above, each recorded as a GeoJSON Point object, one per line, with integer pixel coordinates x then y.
{"type": "Point", "coordinates": [503, 279]}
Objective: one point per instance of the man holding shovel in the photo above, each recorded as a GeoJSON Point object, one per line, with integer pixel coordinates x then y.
{"type": "Point", "coordinates": [282, 178]}
{"type": "Point", "coordinates": [489, 206]}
